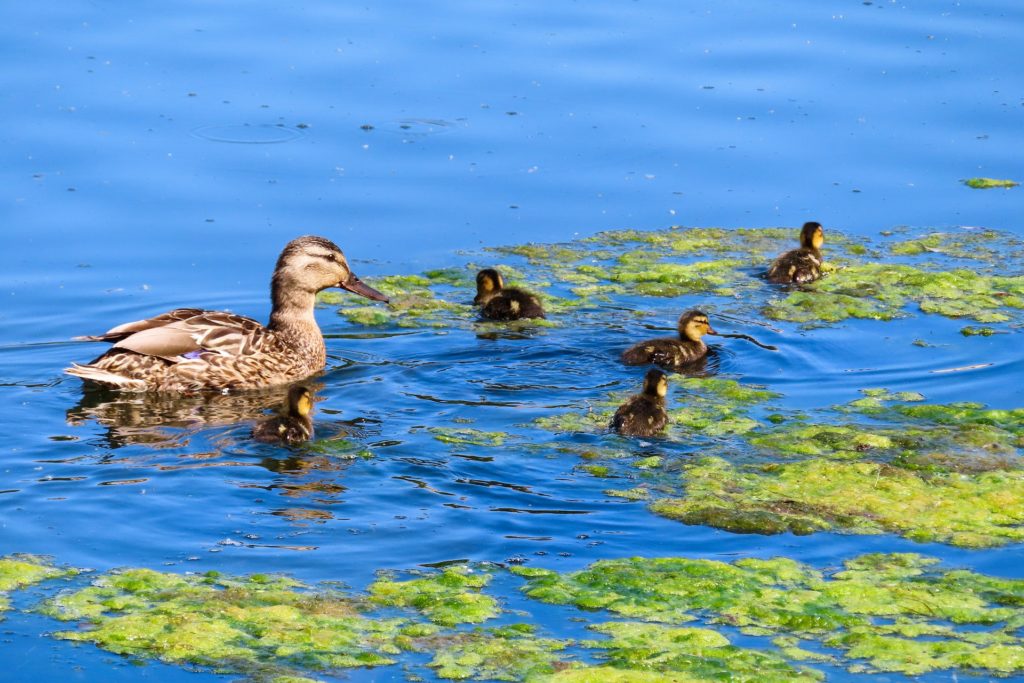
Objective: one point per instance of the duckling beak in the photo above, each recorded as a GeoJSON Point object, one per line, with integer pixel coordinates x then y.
{"type": "Point", "coordinates": [710, 330]}
{"type": "Point", "coordinates": [357, 286]}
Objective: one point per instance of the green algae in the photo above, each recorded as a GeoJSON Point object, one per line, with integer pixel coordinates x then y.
{"type": "Point", "coordinates": [880, 291]}
{"type": "Point", "coordinates": [989, 183]}
{"type": "Point", "coordinates": [467, 436]}
{"type": "Point", "coordinates": [976, 245]}
{"type": "Point", "coordinates": [451, 597]}
{"type": "Point", "coordinates": [507, 653]}
{"type": "Point", "coordinates": [977, 510]}
{"type": "Point", "coordinates": [255, 624]}
{"type": "Point", "coordinates": [881, 613]}
{"type": "Point", "coordinates": [21, 571]}
{"type": "Point", "coordinates": [695, 653]}
{"type": "Point", "coordinates": [972, 331]}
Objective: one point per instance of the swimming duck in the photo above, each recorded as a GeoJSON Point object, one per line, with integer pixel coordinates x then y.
{"type": "Point", "coordinates": [501, 303]}
{"type": "Point", "coordinates": [190, 349]}
{"type": "Point", "coordinates": [803, 264]}
{"type": "Point", "coordinates": [669, 352]}
{"type": "Point", "coordinates": [644, 414]}
{"type": "Point", "coordinates": [294, 425]}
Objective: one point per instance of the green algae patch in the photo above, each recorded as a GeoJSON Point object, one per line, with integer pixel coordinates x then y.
{"type": "Point", "coordinates": [698, 654]}
{"type": "Point", "coordinates": [973, 331]}
{"type": "Point", "coordinates": [883, 291]}
{"type": "Point", "coordinates": [989, 183]}
{"type": "Point", "coordinates": [256, 625]}
{"type": "Point", "coordinates": [988, 246]}
{"type": "Point", "coordinates": [450, 597]}
{"type": "Point", "coordinates": [21, 571]}
{"type": "Point", "coordinates": [467, 436]}
{"type": "Point", "coordinates": [507, 653]}
{"type": "Point", "coordinates": [981, 510]}
{"type": "Point", "coordinates": [880, 613]}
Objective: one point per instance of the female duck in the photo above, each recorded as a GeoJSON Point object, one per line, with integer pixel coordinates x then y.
{"type": "Point", "coordinates": [803, 264]}
{"type": "Point", "coordinates": [190, 349]}
{"type": "Point", "coordinates": [500, 303]}
{"type": "Point", "coordinates": [644, 414]}
{"type": "Point", "coordinates": [669, 352]}
{"type": "Point", "coordinates": [294, 426]}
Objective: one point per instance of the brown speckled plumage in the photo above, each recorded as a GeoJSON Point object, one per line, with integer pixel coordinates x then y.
{"type": "Point", "coordinates": [501, 303]}
{"type": "Point", "coordinates": [800, 265]}
{"type": "Point", "coordinates": [644, 414]}
{"type": "Point", "coordinates": [191, 349]}
{"type": "Point", "coordinates": [673, 353]}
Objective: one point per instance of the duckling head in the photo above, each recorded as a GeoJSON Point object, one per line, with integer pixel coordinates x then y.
{"type": "Point", "coordinates": [655, 383]}
{"type": "Point", "coordinates": [300, 401]}
{"type": "Point", "coordinates": [812, 236]}
{"type": "Point", "coordinates": [309, 264]}
{"type": "Point", "coordinates": [488, 283]}
{"type": "Point", "coordinates": [693, 325]}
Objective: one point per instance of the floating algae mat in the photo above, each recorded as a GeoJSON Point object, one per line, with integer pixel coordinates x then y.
{"type": "Point", "coordinates": [20, 571]}
{"type": "Point", "coordinates": [880, 613]}
{"type": "Point", "coordinates": [894, 612]}
{"type": "Point", "coordinates": [973, 274]}
{"type": "Point", "coordinates": [885, 463]}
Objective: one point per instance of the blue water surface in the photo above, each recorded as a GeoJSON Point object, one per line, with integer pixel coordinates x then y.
{"type": "Point", "coordinates": [160, 155]}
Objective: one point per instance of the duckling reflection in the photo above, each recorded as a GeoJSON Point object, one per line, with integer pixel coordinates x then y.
{"type": "Point", "coordinates": [502, 303]}
{"type": "Point", "coordinates": [295, 423]}
{"type": "Point", "coordinates": [671, 353]}
{"type": "Point", "coordinates": [163, 419]}
{"type": "Point", "coordinates": [644, 414]}
{"type": "Point", "coordinates": [800, 265]}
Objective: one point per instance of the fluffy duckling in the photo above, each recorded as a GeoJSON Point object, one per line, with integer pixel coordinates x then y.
{"type": "Point", "coordinates": [293, 426]}
{"type": "Point", "coordinates": [803, 264]}
{"type": "Point", "coordinates": [644, 414]}
{"type": "Point", "coordinates": [669, 352]}
{"type": "Point", "coordinates": [500, 303]}
{"type": "Point", "coordinates": [190, 349]}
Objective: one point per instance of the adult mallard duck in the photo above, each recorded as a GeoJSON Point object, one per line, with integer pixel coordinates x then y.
{"type": "Point", "coordinates": [672, 353]}
{"type": "Point", "coordinates": [803, 264]}
{"type": "Point", "coordinates": [498, 302]}
{"type": "Point", "coordinates": [190, 349]}
{"type": "Point", "coordinates": [644, 414]}
{"type": "Point", "coordinates": [294, 425]}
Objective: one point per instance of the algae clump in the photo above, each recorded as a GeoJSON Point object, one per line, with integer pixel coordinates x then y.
{"type": "Point", "coordinates": [882, 612]}
{"type": "Point", "coordinates": [980, 510]}
{"type": "Point", "coordinates": [451, 597]}
{"type": "Point", "coordinates": [21, 571]}
{"type": "Point", "coordinates": [989, 183]}
{"type": "Point", "coordinates": [256, 624]}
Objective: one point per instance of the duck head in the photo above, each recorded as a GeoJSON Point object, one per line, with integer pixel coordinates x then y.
{"type": "Point", "coordinates": [655, 384]}
{"type": "Point", "coordinates": [300, 401]}
{"type": "Point", "coordinates": [309, 264]}
{"type": "Point", "coordinates": [812, 236]}
{"type": "Point", "coordinates": [488, 283]}
{"type": "Point", "coordinates": [693, 325]}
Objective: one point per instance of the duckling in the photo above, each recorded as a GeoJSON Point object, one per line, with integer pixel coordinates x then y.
{"type": "Point", "coordinates": [294, 425]}
{"type": "Point", "coordinates": [190, 349]}
{"type": "Point", "coordinates": [644, 414]}
{"type": "Point", "coordinates": [803, 264]}
{"type": "Point", "coordinates": [501, 303]}
{"type": "Point", "coordinates": [669, 352]}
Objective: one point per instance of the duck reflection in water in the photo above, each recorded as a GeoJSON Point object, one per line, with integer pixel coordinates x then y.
{"type": "Point", "coordinates": [168, 420]}
{"type": "Point", "coordinates": [294, 425]}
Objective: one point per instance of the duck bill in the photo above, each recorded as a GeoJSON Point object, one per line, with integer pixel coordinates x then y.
{"type": "Point", "coordinates": [357, 286]}
{"type": "Point", "coordinates": [710, 330]}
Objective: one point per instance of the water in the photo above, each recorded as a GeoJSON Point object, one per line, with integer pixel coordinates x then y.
{"type": "Point", "coordinates": [158, 157]}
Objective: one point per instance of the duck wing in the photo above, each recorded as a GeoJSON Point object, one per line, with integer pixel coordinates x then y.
{"type": "Point", "coordinates": [122, 331]}
{"type": "Point", "coordinates": [204, 331]}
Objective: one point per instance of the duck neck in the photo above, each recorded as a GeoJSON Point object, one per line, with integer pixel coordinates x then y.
{"type": "Point", "coordinates": [292, 307]}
